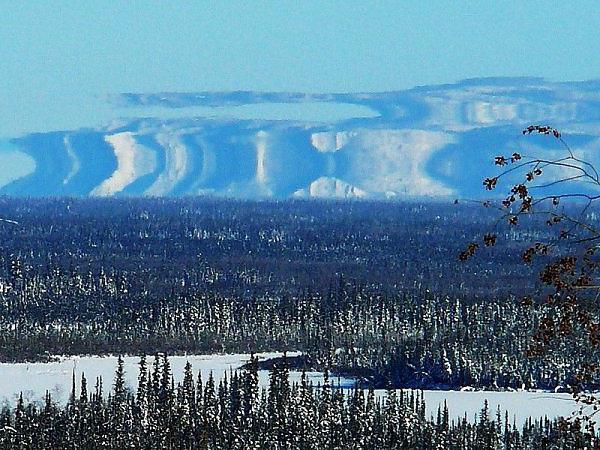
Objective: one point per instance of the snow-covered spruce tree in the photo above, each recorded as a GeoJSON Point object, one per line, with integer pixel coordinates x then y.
{"type": "Point", "coordinates": [211, 412]}
{"type": "Point", "coordinates": [186, 408]}
{"type": "Point", "coordinates": [392, 415]}
{"type": "Point", "coordinates": [357, 417]}
{"type": "Point", "coordinates": [142, 396]}
{"type": "Point", "coordinates": [306, 415]}
{"type": "Point", "coordinates": [121, 419]}
{"type": "Point", "coordinates": [236, 433]}
{"type": "Point", "coordinates": [250, 404]}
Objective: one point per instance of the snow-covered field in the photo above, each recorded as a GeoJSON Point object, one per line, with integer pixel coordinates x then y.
{"type": "Point", "coordinates": [34, 379]}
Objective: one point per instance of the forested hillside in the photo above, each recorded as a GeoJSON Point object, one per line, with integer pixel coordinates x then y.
{"type": "Point", "coordinates": [367, 289]}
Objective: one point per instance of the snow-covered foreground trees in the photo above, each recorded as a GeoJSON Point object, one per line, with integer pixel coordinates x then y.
{"type": "Point", "coordinates": [236, 414]}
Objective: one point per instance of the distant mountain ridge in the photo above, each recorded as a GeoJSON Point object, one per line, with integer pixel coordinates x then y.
{"type": "Point", "coordinates": [430, 141]}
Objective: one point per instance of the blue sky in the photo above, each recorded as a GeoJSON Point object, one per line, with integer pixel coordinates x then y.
{"type": "Point", "coordinates": [58, 59]}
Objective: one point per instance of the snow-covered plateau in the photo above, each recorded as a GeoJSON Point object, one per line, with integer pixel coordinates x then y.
{"type": "Point", "coordinates": [432, 141]}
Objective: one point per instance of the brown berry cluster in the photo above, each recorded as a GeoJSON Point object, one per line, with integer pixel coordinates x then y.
{"type": "Point", "coordinates": [468, 252]}
{"type": "Point", "coordinates": [537, 249]}
{"type": "Point", "coordinates": [542, 129]}
{"type": "Point", "coordinates": [490, 183]}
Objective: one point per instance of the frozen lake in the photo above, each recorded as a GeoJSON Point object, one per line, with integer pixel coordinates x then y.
{"type": "Point", "coordinates": [34, 379]}
{"type": "Point", "coordinates": [520, 405]}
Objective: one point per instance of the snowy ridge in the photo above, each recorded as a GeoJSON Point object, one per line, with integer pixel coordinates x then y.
{"type": "Point", "coordinates": [433, 141]}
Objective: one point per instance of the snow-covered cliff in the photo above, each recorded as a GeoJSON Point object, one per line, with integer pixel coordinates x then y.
{"type": "Point", "coordinates": [434, 141]}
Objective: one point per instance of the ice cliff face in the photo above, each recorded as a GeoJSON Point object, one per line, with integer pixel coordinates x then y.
{"type": "Point", "coordinates": [435, 141]}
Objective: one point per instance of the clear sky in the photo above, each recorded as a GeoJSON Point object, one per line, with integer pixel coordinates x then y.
{"type": "Point", "coordinates": [57, 59]}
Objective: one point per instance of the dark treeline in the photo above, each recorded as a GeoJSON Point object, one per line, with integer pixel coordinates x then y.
{"type": "Point", "coordinates": [183, 245]}
{"type": "Point", "coordinates": [369, 289]}
{"type": "Point", "coordinates": [237, 414]}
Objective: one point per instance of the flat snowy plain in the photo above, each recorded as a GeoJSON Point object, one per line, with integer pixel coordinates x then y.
{"type": "Point", "coordinates": [34, 379]}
